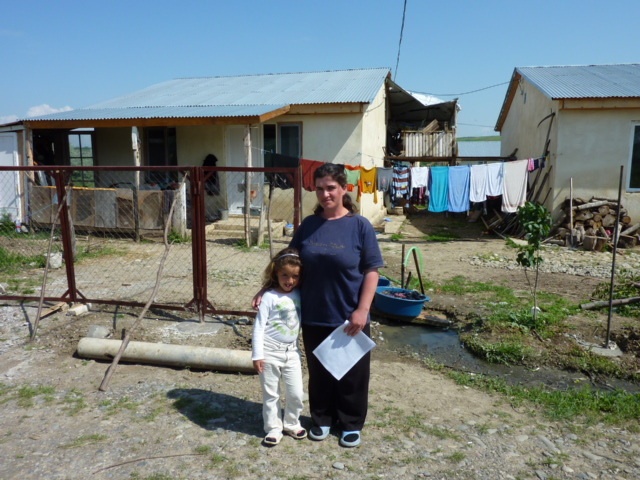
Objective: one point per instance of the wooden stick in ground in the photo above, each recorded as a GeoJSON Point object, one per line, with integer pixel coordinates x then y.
{"type": "Point", "coordinates": [125, 341]}
{"type": "Point", "coordinates": [604, 303]}
{"type": "Point", "coordinates": [46, 267]}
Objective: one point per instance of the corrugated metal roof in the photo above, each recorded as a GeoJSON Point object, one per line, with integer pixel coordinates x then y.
{"type": "Point", "coordinates": [223, 96]}
{"type": "Point", "coordinates": [160, 112]}
{"type": "Point", "coordinates": [586, 81]}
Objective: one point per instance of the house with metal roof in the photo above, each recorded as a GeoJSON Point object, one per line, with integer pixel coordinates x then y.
{"type": "Point", "coordinates": [347, 116]}
{"type": "Point", "coordinates": [586, 121]}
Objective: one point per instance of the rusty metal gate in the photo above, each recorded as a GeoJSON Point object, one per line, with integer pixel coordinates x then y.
{"type": "Point", "coordinates": [104, 243]}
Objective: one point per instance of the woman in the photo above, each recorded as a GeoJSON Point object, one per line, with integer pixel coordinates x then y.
{"type": "Point", "coordinates": [341, 256]}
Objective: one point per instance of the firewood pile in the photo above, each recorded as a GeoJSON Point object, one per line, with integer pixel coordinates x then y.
{"type": "Point", "coordinates": [591, 224]}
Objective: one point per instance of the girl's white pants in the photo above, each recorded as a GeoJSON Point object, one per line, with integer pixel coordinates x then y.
{"type": "Point", "coordinates": [281, 361]}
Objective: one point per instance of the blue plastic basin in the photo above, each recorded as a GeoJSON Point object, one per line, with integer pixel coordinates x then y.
{"type": "Point", "coordinates": [383, 282]}
{"type": "Point", "coordinates": [398, 306]}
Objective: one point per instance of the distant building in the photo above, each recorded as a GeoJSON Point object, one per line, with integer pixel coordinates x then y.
{"type": "Point", "coordinates": [586, 119]}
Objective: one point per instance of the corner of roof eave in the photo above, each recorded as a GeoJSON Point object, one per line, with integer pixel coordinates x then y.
{"type": "Point", "coordinates": [508, 98]}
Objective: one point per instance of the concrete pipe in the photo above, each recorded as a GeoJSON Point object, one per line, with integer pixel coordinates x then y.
{"type": "Point", "coordinates": [169, 355]}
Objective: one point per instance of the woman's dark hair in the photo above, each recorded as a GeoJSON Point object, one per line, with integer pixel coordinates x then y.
{"type": "Point", "coordinates": [336, 172]}
{"type": "Point", "coordinates": [288, 256]}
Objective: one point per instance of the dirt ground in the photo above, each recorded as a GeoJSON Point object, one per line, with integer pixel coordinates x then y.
{"type": "Point", "coordinates": [161, 423]}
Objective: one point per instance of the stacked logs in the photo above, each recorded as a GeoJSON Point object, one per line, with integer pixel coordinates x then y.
{"type": "Point", "coordinates": [592, 224]}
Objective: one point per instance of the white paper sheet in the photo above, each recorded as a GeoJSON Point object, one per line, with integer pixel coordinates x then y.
{"type": "Point", "coordinates": [339, 352]}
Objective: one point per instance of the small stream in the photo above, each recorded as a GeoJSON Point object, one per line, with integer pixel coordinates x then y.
{"type": "Point", "coordinates": [444, 347]}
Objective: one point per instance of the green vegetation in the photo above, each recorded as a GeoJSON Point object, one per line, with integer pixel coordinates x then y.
{"type": "Point", "coordinates": [12, 263]}
{"type": "Point", "coordinates": [614, 407]}
{"type": "Point", "coordinates": [536, 221]}
{"type": "Point", "coordinates": [85, 440]}
{"type": "Point", "coordinates": [493, 138]}
{"type": "Point", "coordinates": [96, 251]}
{"type": "Point", "coordinates": [396, 237]}
{"type": "Point", "coordinates": [242, 245]}
{"type": "Point", "coordinates": [441, 236]}
{"type": "Point", "coordinates": [174, 237]}
{"type": "Point", "coordinates": [625, 286]}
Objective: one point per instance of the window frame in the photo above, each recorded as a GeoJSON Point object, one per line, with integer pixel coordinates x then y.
{"type": "Point", "coordinates": [82, 178]}
{"type": "Point", "coordinates": [635, 131]}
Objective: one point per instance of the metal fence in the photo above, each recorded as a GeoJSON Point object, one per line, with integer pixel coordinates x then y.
{"type": "Point", "coordinates": [105, 242]}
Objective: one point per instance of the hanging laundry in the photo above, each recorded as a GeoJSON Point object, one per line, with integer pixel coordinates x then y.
{"type": "Point", "coordinates": [308, 169]}
{"type": "Point", "coordinates": [438, 189]}
{"type": "Point", "coordinates": [384, 179]}
{"type": "Point", "coordinates": [419, 196]}
{"type": "Point", "coordinates": [495, 179]}
{"type": "Point", "coordinates": [459, 178]}
{"type": "Point", "coordinates": [367, 183]}
{"type": "Point", "coordinates": [514, 194]}
{"type": "Point", "coordinates": [353, 176]}
{"type": "Point", "coordinates": [400, 184]}
{"type": "Point", "coordinates": [478, 183]}
{"type": "Point", "coordinates": [419, 177]}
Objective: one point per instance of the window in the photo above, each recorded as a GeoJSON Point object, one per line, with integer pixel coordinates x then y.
{"type": "Point", "coordinates": [285, 138]}
{"type": "Point", "coordinates": [161, 152]}
{"type": "Point", "coordinates": [289, 139]}
{"type": "Point", "coordinates": [634, 161]}
{"type": "Point", "coordinates": [81, 155]}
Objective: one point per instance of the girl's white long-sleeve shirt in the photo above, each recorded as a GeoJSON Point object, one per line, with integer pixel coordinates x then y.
{"type": "Point", "coordinates": [278, 318]}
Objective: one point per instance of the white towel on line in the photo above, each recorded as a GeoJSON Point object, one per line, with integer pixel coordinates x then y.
{"type": "Point", "coordinates": [419, 177]}
{"type": "Point", "coordinates": [495, 179]}
{"type": "Point", "coordinates": [478, 188]}
{"type": "Point", "coordinates": [514, 194]}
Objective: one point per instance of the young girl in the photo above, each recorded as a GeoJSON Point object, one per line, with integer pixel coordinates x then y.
{"type": "Point", "coordinates": [275, 347]}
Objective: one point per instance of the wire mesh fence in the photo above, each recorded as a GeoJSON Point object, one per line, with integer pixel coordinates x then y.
{"type": "Point", "coordinates": [107, 240]}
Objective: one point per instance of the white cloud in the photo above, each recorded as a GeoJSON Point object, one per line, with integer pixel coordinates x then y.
{"type": "Point", "coordinates": [8, 119]}
{"type": "Point", "coordinates": [45, 109]}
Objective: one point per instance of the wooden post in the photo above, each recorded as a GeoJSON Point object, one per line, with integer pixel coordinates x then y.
{"type": "Point", "coordinates": [571, 212]}
{"type": "Point", "coordinates": [135, 144]}
{"type": "Point", "coordinates": [247, 185]}
{"type": "Point", "coordinates": [613, 263]}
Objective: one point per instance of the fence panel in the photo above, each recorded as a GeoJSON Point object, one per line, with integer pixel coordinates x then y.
{"type": "Point", "coordinates": [108, 242]}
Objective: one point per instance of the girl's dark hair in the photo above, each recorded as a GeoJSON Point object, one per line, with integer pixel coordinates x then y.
{"type": "Point", "coordinates": [288, 256]}
{"type": "Point", "coordinates": [336, 172]}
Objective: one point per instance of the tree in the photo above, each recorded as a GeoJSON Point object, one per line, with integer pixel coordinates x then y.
{"type": "Point", "coordinates": [536, 221]}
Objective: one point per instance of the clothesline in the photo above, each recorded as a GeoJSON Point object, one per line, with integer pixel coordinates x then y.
{"type": "Point", "coordinates": [443, 188]}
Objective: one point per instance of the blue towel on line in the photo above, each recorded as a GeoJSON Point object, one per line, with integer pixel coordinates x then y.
{"type": "Point", "coordinates": [438, 189]}
{"type": "Point", "coordinates": [459, 183]}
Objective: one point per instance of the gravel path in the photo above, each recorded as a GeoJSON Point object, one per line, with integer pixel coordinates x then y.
{"type": "Point", "coordinates": [157, 423]}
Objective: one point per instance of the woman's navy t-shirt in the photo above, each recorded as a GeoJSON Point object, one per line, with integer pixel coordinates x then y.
{"type": "Point", "coordinates": [334, 254]}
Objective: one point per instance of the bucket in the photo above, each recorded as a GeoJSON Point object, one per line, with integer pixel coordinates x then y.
{"type": "Point", "coordinates": [288, 230]}
{"type": "Point", "coordinates": [402, 307]}
{"type": "Point", "coordinates": [384, 282]}
{"type": "Point", "coordinates": [224, 214]}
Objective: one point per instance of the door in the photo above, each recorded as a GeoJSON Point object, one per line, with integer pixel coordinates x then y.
{"type": "Point", "coordinates": [235, 181]}
{"type": "Point", "coordinates": [9, 181]}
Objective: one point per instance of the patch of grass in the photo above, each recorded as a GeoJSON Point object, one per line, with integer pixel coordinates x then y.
{"type": "Point", "coordinates": [27, 393]}
{"type": "Point", "coordinates": [122, 403]}
{"type": "Point", "coordinates": [85, 440]}
{"type": "Point", "coordinates": [441, 236]}
{"type": "Point", "coordinates": [12, 263]}
{"type": "Point", "coordinates": [624, 287]}
{"type": "Point", "coordinates": [457, 457]}
{"type": "Point", "coordinates": [97, 251]}
{"type": "Point", "coordinates": [396, 237]}
{"type": "Point", "coordinates": [75, 402]}
{"type": "Point", "coordinates": [174, 237]}
{"type": "Point", "coordinates": [242, 246]}
{"type": "Point", "coordinates": [614, 407]}
{"type": "Point", "coordinates": [507, 352]}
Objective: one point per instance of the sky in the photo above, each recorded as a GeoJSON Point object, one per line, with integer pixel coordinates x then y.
{"type": "Point", "coordinates": [70, 54]}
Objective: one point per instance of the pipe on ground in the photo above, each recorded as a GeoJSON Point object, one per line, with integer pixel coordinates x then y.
{"type": "Point", "coordinates": [168, 355]}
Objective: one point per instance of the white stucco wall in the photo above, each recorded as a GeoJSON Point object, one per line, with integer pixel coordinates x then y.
{"type": "Point", "coordinates": [194, 143]}
{"type": "Point", "coordinates": [520, 129]}
{"type": "Point", "coordinates": [592, 145]}
{"type": "Point", "coordinates": [114, 149]}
